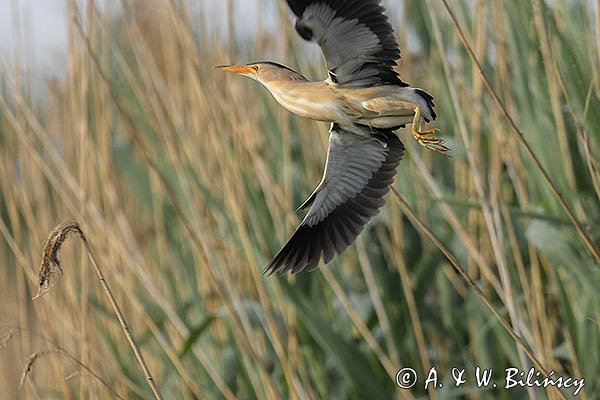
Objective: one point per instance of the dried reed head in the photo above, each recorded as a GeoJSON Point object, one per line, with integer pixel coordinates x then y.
{"type": "Point", "coordinates": [27, 368]}
{"type": "Point", "coordinates": [5, 337]}
{"type": "Point", "coordinates": [50, 262]}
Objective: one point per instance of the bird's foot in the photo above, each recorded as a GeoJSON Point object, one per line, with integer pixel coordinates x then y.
{"type": "Point", "coordinates": [432, 143]}
{"type": "Point", "coordinates": [425, 138]}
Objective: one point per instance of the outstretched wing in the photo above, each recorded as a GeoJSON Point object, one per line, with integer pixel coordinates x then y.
{"type": "Point", "coordinates": [358, 174]}
{"type": "Point", "coordinates": [356, 37]}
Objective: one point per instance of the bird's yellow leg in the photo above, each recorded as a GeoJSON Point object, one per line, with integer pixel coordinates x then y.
{"type": "Point", "coordinates": [421, 136]}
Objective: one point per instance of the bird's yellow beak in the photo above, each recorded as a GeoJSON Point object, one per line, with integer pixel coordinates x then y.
{"type": "Point", "coordinates": [239, 69]}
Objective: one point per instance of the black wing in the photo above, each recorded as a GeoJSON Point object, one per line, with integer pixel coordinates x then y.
{"type": "Point", "coordinates": [358, 174]}
{"type": "Point", "coordinates": [355, 36]}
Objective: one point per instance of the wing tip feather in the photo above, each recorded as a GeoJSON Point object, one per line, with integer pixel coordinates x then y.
{"type": "Point", "coordinates": [339, 229]}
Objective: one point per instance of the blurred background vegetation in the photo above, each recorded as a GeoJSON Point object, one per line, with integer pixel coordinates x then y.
{"type": "Point", "coordinates": [185, 181]}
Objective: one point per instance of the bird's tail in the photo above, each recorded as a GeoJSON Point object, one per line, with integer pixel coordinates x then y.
{"type": "Point", "coordinates": [428, 113]}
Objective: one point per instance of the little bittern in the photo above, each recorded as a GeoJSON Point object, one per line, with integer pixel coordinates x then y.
{"type": "Point", "coordinates": [365, 101]}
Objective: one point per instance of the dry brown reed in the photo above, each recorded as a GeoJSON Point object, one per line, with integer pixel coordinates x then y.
{"type": "Point", "coordinates": [418, 222]}
{"type": "Point", "coordinates": [51, 263]}
{"type": "Point", "coordinates": [188, 180]}
{"type": "Point", "coordinates": [36, 355]}
{"type": "Point", "coordinates": [585, 236]}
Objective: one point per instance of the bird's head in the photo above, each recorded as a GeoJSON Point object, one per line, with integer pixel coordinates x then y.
{"type": "Point", "coordinates": [265, 72]}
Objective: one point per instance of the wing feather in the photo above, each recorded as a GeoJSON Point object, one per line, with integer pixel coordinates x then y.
{"type": "Point", "coordinates": [358, 174]}
{"type": "Point", "coordinates": [355, 36]}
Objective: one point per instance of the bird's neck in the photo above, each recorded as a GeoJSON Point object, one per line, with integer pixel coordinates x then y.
{"type": "Point", "coordinates": [304, 98]}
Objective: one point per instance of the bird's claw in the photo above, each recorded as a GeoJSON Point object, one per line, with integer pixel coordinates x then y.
{"type": "Point", "coordinates": [431, 143]}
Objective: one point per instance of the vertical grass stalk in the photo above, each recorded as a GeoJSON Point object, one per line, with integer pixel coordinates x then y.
{"type": "Point", "coordinates": [50, 265]}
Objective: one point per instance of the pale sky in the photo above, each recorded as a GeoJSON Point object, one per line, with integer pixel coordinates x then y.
{"type": "Point", "coordinates": [42, 23]}
{"type": "Point", "coordinates": [43, 28]}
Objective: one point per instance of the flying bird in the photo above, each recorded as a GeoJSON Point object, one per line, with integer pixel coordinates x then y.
{"type": "Point", "coordinates": [365, 101]}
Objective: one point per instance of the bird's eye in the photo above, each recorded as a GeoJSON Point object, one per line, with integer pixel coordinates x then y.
{"type": "Point", "coordinates": [255, 68]}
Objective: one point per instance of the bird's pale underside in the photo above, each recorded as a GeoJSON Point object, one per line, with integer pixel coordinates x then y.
{"type": "Point", "coordinates": [365, 101]}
